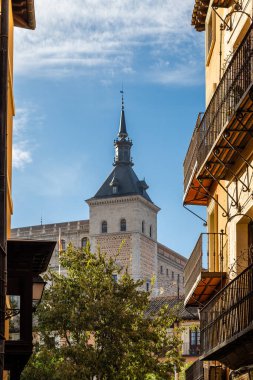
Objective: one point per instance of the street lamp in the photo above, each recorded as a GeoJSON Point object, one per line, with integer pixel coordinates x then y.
{"type": "Point", "coordinates": [38, 289]}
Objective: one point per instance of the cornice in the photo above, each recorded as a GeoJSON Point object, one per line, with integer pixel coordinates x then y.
{"type": "Point", "coordinates": [123, 199]}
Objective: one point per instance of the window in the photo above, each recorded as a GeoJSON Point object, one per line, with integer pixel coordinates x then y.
{"type": "Point", "coordinates": [194, 341]}
{"type": "Point", "coordinates": [114, 189]}
{"type": "Point", "coordinates": [161, 269]}
{"type": "Point", "coordinates": [13, 311]}
{"type": "Point", "coordinates": [84, 242]}
{"type": "Point", "coordinates": [63, 245]}
{"type": "Point", "coordinates": [104, 227]}
{"type": "Point", "coordinates": [147, 286]}
{"type": "Point", "coordinates": [115, 277]}
{"type": "Point", "coordinates": [210, 36]}
{"type": "Point", "coordinates": [143, 227]}
{"type": "Point", "coordinates": [167, 272]}
{"type": "Point", "coordinates": [172, 275]}
{"type": "Point", "coordinates": [123, 225]}
{"type": "Point", "coordinates": [178, 278]}
{"type": "Point", "coordinates": [194, 337]}
{"type": "Point", "coordinates": [150, 231]}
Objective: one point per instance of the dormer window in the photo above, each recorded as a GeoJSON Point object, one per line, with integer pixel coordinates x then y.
{"type": "Point", "coordinates": [114, 185]}
{"type": "Point", "coordinates": [104, 227]}
{"type": "Point", "coordinates": [142, 186]}
{"type": "Point", "coordinates": [123, 225]}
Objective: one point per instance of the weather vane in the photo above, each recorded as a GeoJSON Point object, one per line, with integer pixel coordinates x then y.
{"type": "Point", "coordinates": [122, 98]}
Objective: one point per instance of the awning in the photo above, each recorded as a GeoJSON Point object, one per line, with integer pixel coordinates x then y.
{"type": "Point", "coordinates": [204, 287]}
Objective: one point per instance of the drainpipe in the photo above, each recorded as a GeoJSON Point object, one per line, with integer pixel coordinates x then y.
{"type": "Point", "coordinates": [3, 171]}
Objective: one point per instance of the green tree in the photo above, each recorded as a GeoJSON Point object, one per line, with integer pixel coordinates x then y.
{"type": "Point", "coordinates": [104, 323]}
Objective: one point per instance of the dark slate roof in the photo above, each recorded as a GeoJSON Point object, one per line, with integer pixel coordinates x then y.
{"type": "Point", "coordinates": [122, 125]}
{"type": "Point", "coordinates": [173, 302]}
{"type": "Point", "coordinates": [129, 184]}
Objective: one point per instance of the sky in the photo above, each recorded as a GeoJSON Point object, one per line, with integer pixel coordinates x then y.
{"type": "Point", "coordinates": [68, 74]}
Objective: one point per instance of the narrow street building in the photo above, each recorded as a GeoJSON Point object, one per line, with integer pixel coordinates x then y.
{"type": "Point", "coordinates": [218, 175]}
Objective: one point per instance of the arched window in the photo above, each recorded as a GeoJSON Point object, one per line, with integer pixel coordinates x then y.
{"type": "Point", "coordinates": [104, 227]}
{"type": "Point", "coordinates": [123, 224]}
{"type": "Point", "coordinates": [150, 231]}
{"type": "Point", "coordinates": [143, 227]}
{"type": "Point", "coordinates": [84, 242]}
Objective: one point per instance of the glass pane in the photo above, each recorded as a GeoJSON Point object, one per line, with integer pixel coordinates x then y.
{"type": "Point", "coordinates": [13, 314]}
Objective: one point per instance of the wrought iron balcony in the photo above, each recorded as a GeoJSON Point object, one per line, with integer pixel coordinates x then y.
{"type": "Point", "coordinates": [200, 284]}
{"type": "Point", "coordinates": [222, 133]}
{"type": "Point", "coordinates": [195, 371]}
{"type": "Point", "coordinates": [226, 323]}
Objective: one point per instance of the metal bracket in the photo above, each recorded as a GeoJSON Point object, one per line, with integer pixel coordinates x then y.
{"type": "Point", "coordinates": [225, 214]}
{"type": "Point", "coordinates": [244, 186]}
{"type": "Point", "coordinates": [224, 23]}
{"type": "Point", "coordinates": [233, 216]}
{"type": "Point", "coordinates": [192, 212]}
{"type": "Point", "coordinates": [237, 8]}
{"type": "Point", "coordinates": [225, 137]}
{"type": "Point", "coordinates": [239, 114]}
{"type": "Point", "coordinates": [235, 202]}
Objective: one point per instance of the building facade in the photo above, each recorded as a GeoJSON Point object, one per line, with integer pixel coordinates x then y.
{"type": "Point", "coordinates": [122, 223]}
{"type": "Point", "coordinates": [218, 173]}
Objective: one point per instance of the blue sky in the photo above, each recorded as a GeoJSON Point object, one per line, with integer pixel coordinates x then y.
{"type": "Point", "coordinates": [68, 77]}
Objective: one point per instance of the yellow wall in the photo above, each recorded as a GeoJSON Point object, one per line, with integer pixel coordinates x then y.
{"type": "Point", "coordinates": [222, 45]}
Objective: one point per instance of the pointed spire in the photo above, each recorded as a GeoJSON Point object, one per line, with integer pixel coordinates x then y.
{"type": "Point", "coordinates": [122, 125]}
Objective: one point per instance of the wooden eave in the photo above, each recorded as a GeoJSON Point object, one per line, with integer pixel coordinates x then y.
{"type": "Point", "coordinates": [196, 195]}
{"type": "Point", "coordinates": [239, 134]}
{"type": "Point", "coordinates": [199, 14]}
{"type": "Point", "coordinates": [24, 14]}
{"type": "Point", "coordinates": [223, 3]}
{"type": "Point", "coordinates": [204, 287]}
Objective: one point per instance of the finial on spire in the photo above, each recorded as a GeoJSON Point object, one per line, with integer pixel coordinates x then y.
{"type": "Point", "coordinates": [122, 97]}
{"type": "Point", "coordinates": [122, 126]}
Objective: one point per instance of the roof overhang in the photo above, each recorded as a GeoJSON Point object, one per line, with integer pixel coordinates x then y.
{"type": "Point", "coordinates": [36, 252]}
{"type": "Point", "coordinates": [204, 287]}
{"type": "Point", "coordinates": [24, 14]}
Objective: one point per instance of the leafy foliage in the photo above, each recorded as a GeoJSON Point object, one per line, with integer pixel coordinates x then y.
{"type": "Point", "coordinates": [104, 329]}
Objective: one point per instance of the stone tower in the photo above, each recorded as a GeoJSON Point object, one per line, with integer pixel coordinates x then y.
{"type": "Point", "coordinates": [123, 219]}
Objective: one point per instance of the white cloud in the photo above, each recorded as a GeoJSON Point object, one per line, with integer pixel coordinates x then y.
{"type": "Point", "coordinates": [91, 36]}
{"type": "Point", "coordinates": [21, 156]}
{"type": "Point", "coordinates": [22, 142]}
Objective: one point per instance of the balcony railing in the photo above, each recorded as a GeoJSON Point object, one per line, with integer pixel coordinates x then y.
{"type": "Point", "coordinates": [234, 83]}
{"type": "Point", "coordinates": [195, 371]}
{"type": "Point", "coordinates": [191, 156]}
{"type": "Point", "coordinates": [194, 266]}
{"type": "Point", "coordinates": [189, 349]}
{"type": "Point", "coordinates": [210, 248]}
{"type": "Point", "coordinates": [228, 314]}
